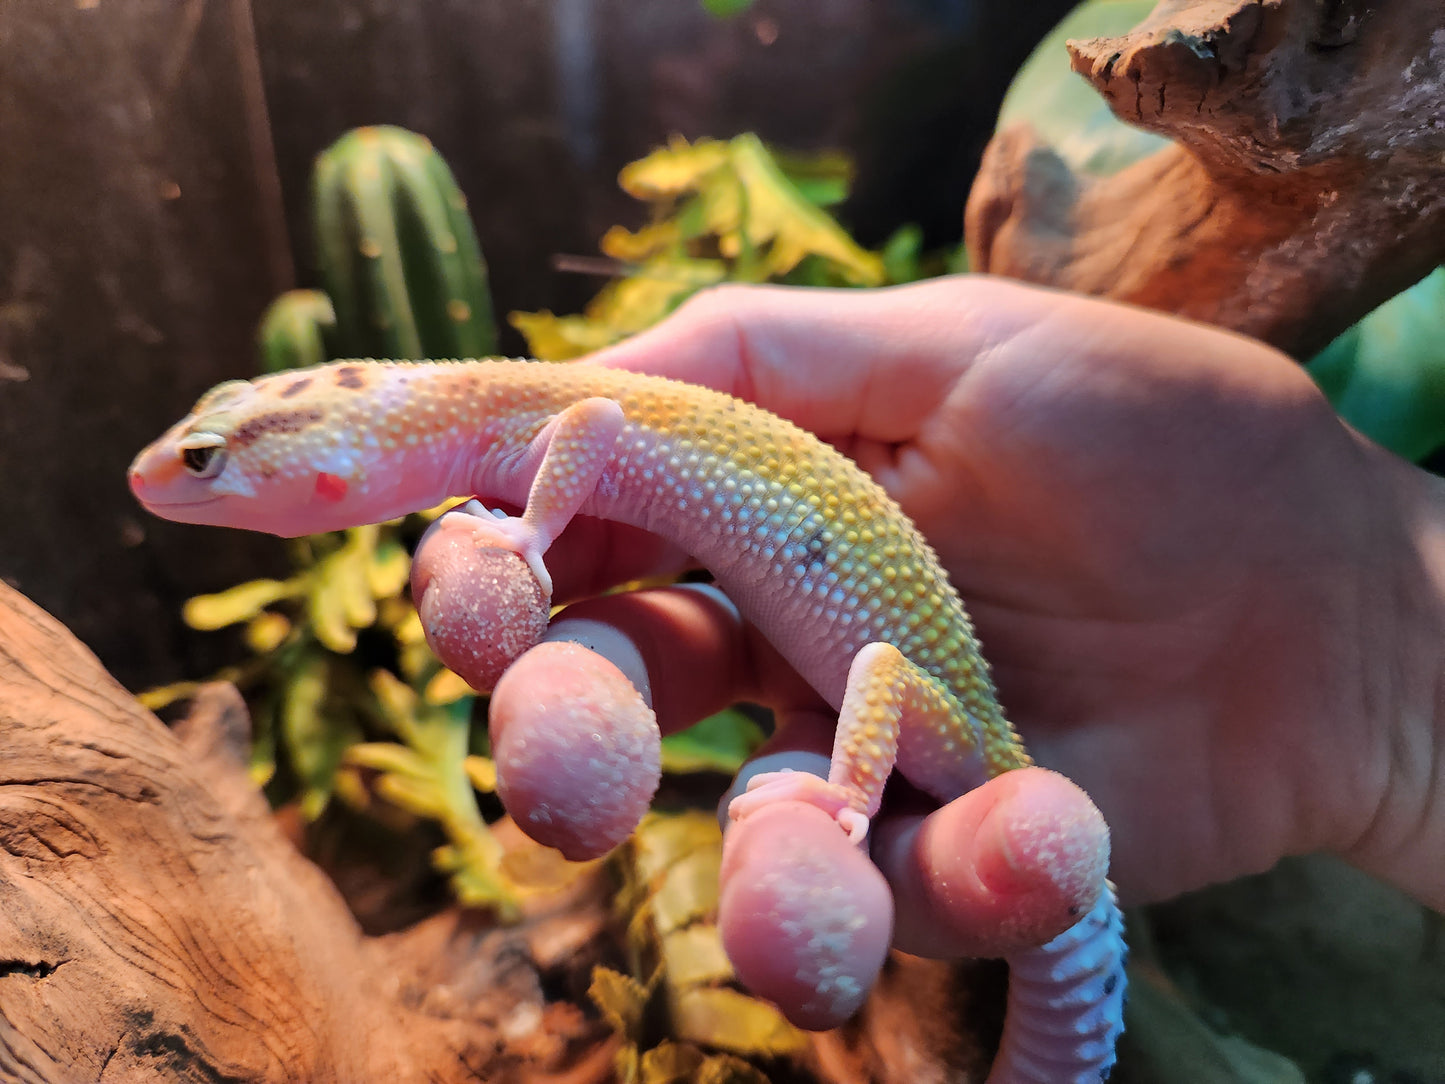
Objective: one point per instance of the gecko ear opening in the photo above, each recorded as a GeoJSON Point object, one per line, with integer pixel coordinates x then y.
{"type": "Point", "coordinates": [203, 454]}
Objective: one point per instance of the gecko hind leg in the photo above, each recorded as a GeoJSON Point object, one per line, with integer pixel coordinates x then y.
{"type": "Point", "coordinates": [886, 697]}
{"type": "Point", "coordinates": [570, 454]}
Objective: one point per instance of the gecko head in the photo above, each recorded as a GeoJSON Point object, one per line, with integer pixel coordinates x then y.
{"type": "Point", "coordinates": [274, 454]}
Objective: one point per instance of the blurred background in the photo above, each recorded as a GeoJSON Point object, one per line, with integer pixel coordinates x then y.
{"type": "Point", "coordinates": [153, 199]}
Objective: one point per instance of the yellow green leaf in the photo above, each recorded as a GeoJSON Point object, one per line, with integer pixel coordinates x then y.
{"type": "Point", "coordinates": [261, 764]}
{"type": "Point", "coordinates": [688, 892]}
{"type": "Point", "coordinates": [239, 603]}
{"type": "Point", "coordinates": [620, 999]}
{"type": "Point", "coordinates": [560, 338]}
{"type": "Point", "coordinates": [627, 1064]}
{"type": "Point", "coordinates": [164, 696]}
{"type": "Point", "coordinates": [441, 509]}
{"type": "Point", "coordinates": [482, 771]}
{"type": "Point", "coordinates": [317, 733]}
{"type": "Point", "coordinates": [719, 743]}
{"type": "Point", "coordinates": [776, 212]}
{"type": "Point", "coordinates": [415, 794]}
{"type": "Point", "coordinates": [822, 178]}
{"type": "Point", "coordinates": [267, 631]}
{"type": "Point", "coordinates": [340, 598]}
{"type": "Point", "coordinates": [327, 609]}
{"type": "Point", "coordinates": [674, 169]}
{"type": "Point", "coordinates": [397, 702]}
{"type": "Point", "coordinates": [731, 1020]}
{"type": "Point", "coordinates": [477, 880]}
{"type": "Point", "coordinates": [651, 240]}
{"type": "Point", "coordinates": [445, 687]}
{"type": "Point", "coordinates": [671, 1063]}
{"type": "Point", "coordinates": [386, 756]}
{"type": "Point", "coordinates": [661, 841]}
{"type": "Point", "coordinates": [388, 570]}
{"type": "Point", "coordinates": [355, 560]}
{"type": "Point", "coordinates": [416, 659]}
{"type": "Point", "coordinates": [726, 1069]}
{"type": "Point", "coordinates": [350, 789]}
{"type": "Point", "coordinates": [694, 956]}
{"type": "Point", "coordinates": [399, 616]}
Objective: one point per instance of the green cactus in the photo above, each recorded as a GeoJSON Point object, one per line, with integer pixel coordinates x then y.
{"type": "Point", "coordinates": [295, 331]}
{"type": "Point", "coordinates": [397, 251]}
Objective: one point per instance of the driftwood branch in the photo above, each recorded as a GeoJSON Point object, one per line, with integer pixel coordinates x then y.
{"type": "Point", "coordinates": [156, 924]}
{"type": "Point", "coordinates": [1304, 186]}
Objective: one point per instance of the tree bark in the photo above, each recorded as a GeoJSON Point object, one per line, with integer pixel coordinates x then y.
{"type": "Point", "coordinates": [1303, 188]}
{"type": "Point", "coordinates": [157, 925]}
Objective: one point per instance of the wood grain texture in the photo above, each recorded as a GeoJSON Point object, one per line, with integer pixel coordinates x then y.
{"type": "Point", "coordinates": [158, 925]}
{"type": "Point", "coordinates": [155, 924]}
{"type": "Point", "coordinates": [1302, 190]}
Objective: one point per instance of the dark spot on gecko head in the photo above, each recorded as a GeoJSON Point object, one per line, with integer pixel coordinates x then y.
{"type": "Point", "coordinates": [349, 376]}
{"type": "Point", "coordinates": [296, 387]}
{"type": "Point", "coordinates": [1111, 983]}
{"type": "Point", "coordinates": [282, 421]}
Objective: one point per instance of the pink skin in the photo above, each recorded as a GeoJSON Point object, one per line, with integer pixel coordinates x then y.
{"type": "Point", "coordinates": [805, 917]}
{"type": "Point", "coordinates": [1203, 596]}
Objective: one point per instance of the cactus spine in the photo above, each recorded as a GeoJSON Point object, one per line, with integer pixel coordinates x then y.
{"type": "Point", "coordinates": [397, 251]}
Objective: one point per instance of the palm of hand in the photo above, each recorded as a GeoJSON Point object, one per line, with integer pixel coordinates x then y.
{"type": "Point", "coordinates": [1128, 537]}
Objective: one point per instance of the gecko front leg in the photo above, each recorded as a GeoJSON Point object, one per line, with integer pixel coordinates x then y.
{"type": "Point", "coordinates": [570, 454]}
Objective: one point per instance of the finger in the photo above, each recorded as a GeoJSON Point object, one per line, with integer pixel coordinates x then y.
{"type": "Point", "coordinates": [594, 555]}
{"type": "Point", "coordinates": [574, 733]}
{"type": "Point", "coordinates": [686, 648]}
{"type": "Point", "coordinates": [577, 751]}
{"type": "Point", "coordinates": [480, 607]}
{"type": "Point", "coordinates": [805, 917]}
{"type": "Point", "coordinates": [829, 360]}
{"type": "Point", "coordinates": [1009, 865]}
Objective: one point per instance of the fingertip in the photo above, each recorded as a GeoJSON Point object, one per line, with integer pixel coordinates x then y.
{"type": "Point", "coordinates": [480, 607]}
{"type": "Point", "coordinates": [578, 752]}
{"type": "Point", "coordinates": [1009, 865]}
{"type": "Point", "coordinates": [806, 918]}
{"type": "Point", "coordinates": [1047, 841]}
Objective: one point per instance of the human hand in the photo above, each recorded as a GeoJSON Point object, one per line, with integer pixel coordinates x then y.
{"type": "Point", "coordinates": [1205, 599]}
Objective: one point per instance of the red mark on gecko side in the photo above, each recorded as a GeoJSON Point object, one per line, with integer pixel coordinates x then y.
{"type": "Point", "coordinates": [329, 487]}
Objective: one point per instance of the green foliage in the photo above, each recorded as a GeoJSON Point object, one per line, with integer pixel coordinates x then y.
{"type": "Point", "coordinates": [726, 9]}
{"type": "Point", "coordinates": [399, 257]}
{"type": "Point", "coordinates": [723, 212]}
{"type": "Point", "coordinates": [1386, 375]}
{"type": "Point", "coordinates": [397, 251]}
{"type": "Point", "coordinates": [719, 743]}
{"type": "Point", "coordinates": [681, 999]}
{"type": "Point", "coordinates": [294, 331]}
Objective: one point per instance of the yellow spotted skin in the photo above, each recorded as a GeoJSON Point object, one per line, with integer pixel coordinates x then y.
{"type": "Point", "coordinates": [812, 550]}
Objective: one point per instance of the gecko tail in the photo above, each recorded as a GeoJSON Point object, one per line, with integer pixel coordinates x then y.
{"type": "Point", "coordinates": [1066, 1004]}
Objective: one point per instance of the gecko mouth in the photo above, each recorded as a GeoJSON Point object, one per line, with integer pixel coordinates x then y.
{"type": "Point", "coordinates": [181, 504]}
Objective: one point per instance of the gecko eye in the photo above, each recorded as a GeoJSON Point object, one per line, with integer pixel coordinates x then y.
{"type": "Point", "coordinates": [203, 454]}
